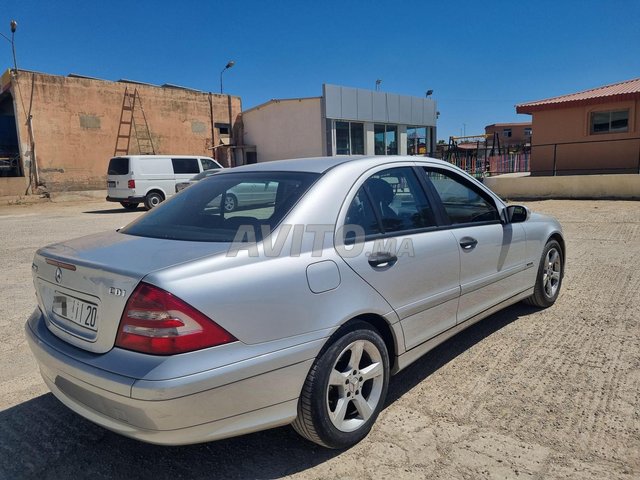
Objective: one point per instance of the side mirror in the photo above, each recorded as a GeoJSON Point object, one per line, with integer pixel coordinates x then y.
{"type": "Point", "coordinates": [516, 213]}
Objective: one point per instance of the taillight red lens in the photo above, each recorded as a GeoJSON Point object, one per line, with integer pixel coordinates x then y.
{"type": "Point", "coordinates": [131, 184]}
{"type": "Point", "coordinates": [155, 321]}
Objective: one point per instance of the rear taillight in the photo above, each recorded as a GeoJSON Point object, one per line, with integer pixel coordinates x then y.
{"type": "Point", "coordinates": [131, 184]}
{"type": "Point", "coordinates": [154, 321]}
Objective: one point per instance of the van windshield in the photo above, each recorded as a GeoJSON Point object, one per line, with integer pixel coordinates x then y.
{"type": "Point", "coordinates": [118, 166]}
{"type": "Point", "coordinates": [225, 207]}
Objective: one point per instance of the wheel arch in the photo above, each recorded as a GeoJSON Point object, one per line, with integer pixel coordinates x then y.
{"type": "Point", "coordinates": [156, 190]}
{"type": "Point", "coordinates": [381, 326]}
{"type": "Point", "coordinates": [560, 239]}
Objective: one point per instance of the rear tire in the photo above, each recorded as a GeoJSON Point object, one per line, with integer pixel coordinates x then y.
{"type": "Point", "coordinates": [345, 388]}
{"type": "Point", "coordinates": [549, 278]}
{"type": "Point", "coordinates": [129, 206]}
{"type": "Point", "coordinates": [152, 200]}
{"type": "Point", "coordinates": [230, 202]}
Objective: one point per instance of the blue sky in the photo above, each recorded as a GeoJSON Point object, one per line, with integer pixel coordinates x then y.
{"type": "Point", "coordinates": [479, 57]}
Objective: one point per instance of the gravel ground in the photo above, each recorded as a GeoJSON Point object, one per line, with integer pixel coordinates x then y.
{"type": "Point", "coordinates": [522, 394]}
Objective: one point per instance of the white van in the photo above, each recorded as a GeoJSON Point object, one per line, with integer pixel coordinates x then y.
{"type": "Point", "coordinates": [150, 179]}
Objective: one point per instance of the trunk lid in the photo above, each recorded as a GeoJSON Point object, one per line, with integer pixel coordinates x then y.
{"type": "Point", "coordinates": [83, 285]}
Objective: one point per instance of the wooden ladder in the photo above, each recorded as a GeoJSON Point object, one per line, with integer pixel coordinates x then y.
{"type": "Point", "coordinates": [133, 120]}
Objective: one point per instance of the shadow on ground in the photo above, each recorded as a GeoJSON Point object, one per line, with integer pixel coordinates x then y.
{"type": "Point", "coordinates": [43, 439]}
{"type": "Point", "coordinates": [116, 210]}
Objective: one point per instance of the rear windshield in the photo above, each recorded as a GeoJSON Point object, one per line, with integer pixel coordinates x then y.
{"type": "Point", "coordinates": [118, 166]}
{"type": "Point", "coordinates": [222, 208]}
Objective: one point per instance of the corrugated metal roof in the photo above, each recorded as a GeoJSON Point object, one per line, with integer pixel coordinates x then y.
{"type": "Point", "coordinates": [628, 89]}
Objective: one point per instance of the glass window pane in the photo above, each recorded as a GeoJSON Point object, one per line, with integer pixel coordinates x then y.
{"type": "Point", "coordinates": [357, 138]}
{"type": "Point", "coordinates": [118, 166]}
{"type": "Point", "coordinates": [378, 133]}
{"type": "Point", "coordinates": [217, 208]}
{"type": "Point", "coordinates": [185, 165]}
{"type": "Point", "coordinates": [360, 218]}
{"type": "Point", "coordinates": [599, 122]}
{"type": "Point", "coordinates": [342, 138]}
{"type": "Point", "coordinates": [390, 140]}
{"type": "Point", "coordinates": [421, 140]}
{"type": "Point", "coordinates": [411, 141]}
{"type": "Point", "coordinates": [462, 203]}
{"type": "Point", "coordinates": [399, 200]}
{"type": "Point", "coordinates": [620, 121]}
{"type": "Point", "coordinates": [208, 164]}
{"type": "Point", "coordinates": [329, 139]}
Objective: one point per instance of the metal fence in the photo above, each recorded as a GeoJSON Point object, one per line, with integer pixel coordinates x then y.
{"type": "Point", "coordinates": [486, 161]}
{"type": "Point", "coordinates": [563, 158]}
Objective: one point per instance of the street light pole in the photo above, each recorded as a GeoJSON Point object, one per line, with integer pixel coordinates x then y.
{"type": "Point", "coordinates": [230, 64]}
{"type": "Point", "coordinates": [14, 25]}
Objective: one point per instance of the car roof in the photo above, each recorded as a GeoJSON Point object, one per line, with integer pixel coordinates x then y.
{"type": "Point", "coordinates": [323, 164]}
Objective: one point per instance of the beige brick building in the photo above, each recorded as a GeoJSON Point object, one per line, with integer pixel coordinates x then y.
{"type": "Point", "coordinates": [75, 122]}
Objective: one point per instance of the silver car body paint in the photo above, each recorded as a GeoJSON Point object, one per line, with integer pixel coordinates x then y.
{"type": "Point", "coordinates": [282, 309]}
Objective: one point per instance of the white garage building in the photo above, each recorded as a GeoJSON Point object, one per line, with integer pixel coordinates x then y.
{"type": "Point", "coordinates": [343, 121]}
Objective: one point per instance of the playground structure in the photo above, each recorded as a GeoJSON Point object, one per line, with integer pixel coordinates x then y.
{"type": "Point", "coordinates": [473, 154]}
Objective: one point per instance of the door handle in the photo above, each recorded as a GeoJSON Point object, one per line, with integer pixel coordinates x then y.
{"type": "Point", "coordinates": [468, 243]}
{"type": "Point", "coordinates": [382, 259]}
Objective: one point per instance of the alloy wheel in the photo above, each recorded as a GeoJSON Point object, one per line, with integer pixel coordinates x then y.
{"type": "Point", "coordinates": [355, 385]}
{"type": "Point", "coordinates": [551, 273]}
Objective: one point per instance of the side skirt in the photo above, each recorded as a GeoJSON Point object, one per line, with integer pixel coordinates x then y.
{"type": "Point", "coordinates": [410, 356]}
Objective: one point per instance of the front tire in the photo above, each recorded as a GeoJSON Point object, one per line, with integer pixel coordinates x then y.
{"type": "Point", "coordinates": [549, 278]}
{"type": "Point", "coordinates": [152, 200]}
{"type": "Point", "coordinates": [345, 388]}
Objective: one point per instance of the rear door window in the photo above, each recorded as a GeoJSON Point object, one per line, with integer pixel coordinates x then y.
{"type": "Point", "coordinates": [118, 166]}
{"type": "Point", "coordinates": [390, 201]}
{"type": "Point", "coordinates": [185, 165]}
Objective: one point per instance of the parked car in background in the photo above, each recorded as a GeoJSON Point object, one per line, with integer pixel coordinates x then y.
{"type": "Point", "coordinates": [151, 179]}
{"type": "Point", "coordinates": [242, 196]}
{"type": "Point", "coordinates": [195, 179]}
{"type": "Point", "coordinates": [195, 323]}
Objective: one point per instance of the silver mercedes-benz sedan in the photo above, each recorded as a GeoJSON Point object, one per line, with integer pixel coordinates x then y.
{"type": "Point", "coordinates": [195, 323]}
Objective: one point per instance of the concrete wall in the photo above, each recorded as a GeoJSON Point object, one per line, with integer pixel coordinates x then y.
{"type": "Point", "coordinates": [562, 125]}
{"type": "Point", "coordinates": [11, 186]}
{"type": "Point", "coordinates": [75, 123]}
{"type": "Point", "coordinates": [285, 129]}
{"type": "Point", "coordinates": [570, 186]}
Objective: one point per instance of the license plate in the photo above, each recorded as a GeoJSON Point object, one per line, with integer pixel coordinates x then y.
{"type": "Point", "coordinates": [111, 183]}
{"type": "Point", "coordinates": [78, 311]}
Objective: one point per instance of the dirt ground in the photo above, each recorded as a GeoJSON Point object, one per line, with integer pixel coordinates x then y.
{"type": "Point", "coordinates": [523, 394]}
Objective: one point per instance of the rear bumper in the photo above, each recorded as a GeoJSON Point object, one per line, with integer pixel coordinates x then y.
{"type": "Point", "coordinates": [125, 199]}
{"type": "Point", "coordinates": [163, 413]}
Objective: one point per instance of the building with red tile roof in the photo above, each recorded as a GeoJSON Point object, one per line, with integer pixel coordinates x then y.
{"type": "Point", "coordinates": [588, 132]}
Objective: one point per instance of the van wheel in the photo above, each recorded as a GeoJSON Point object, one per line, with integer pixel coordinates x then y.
{"type": "Point", "coordinates": [153, 199]}
{"type": "Point", "coordinates": [129, 206]}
